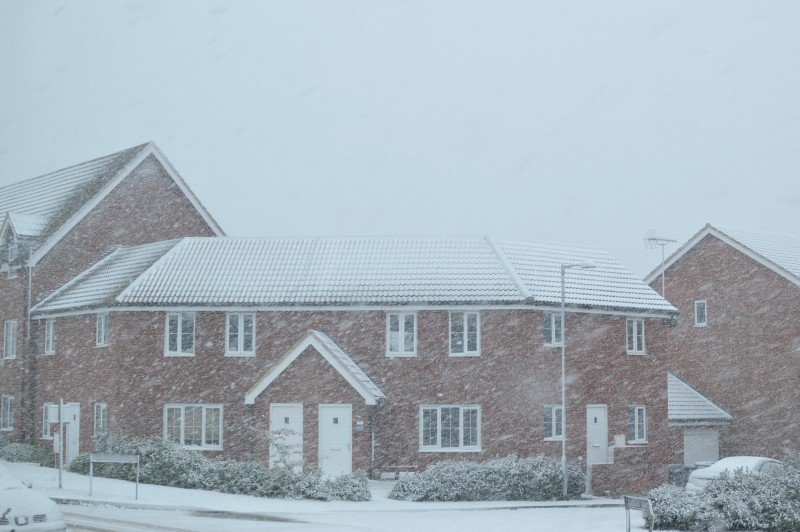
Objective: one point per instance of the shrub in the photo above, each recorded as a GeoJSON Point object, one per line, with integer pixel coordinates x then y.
{"type": "Point", "coordinates": [511, 478]}
{"type": "Point", "coordinates": [21, 452]}
{"type": "Point", "coordinates": [674, 508]}
{"type": "Point", "coordinates": [167, 464]}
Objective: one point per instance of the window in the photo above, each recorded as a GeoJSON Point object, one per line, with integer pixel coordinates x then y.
{"type": "Point", "coordinates": [464, 334]}
{"type": "Point", "coordinates": [637, 424]}
{"type": "Point", "coordinates": [553, 422]}
{"type": "Point", "coordinates": [7, 412]}
{"type": "Point", "coordinates": [450, 428]}
{"type": "Point", "coordinates": [101, 338]}
{"type": "Point", "coordinates": [194, 426]}
{"type": "Point", "coordinates": [47, 422]}
{"type": "Point", "coordinates": [10, 339]}
{"type": "Point", "coordinates": [401, 334]}
{"type": "Point", "coordinates": [635, 332]}
{"type": "Point", "coordinates": [49, 337]}
{"type": "Point", "coordinates": [700, 313]}
{"type": "Point", "coordinates": [179, 340]}
{"type": "Point", "coordinates": [100, 411]}
{"type": "Point", "coordinates": [553, 327]}
{"type": "Point", "coordinates": [241, 334]}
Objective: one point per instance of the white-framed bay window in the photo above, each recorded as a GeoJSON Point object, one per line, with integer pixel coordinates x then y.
{"type": "Point", "coordinates": [194, 426]}
{"type": "Point", "coordinates": [10, 339]}
{"type": "Point", "coordinates": [553, 422]}
{"type": "Point", "coordinates": [179, 334]}
{"type": "Point", "coordinates": [553, 329]}
{"type": "Point", "coordinates": [401, 334]}
{"type": "Point", "coordinates": [465, 334]}
{"type": "Point", "coordinates": [103, 327]}
{"type": "Point", "coordinates": [635, 336]}
{"type": "Point", "coordinates": [50, 337]}
{"type": "Point", "coordinates": [450, 428]}
{"type": "Point", "coordinates": [7, 412]}
{"type": "Point", "coordinates": [240, 334]}
{"type": "Point", "coordinates": [100, 418]}
{"type": "Point", "coordinates": [637, 424]}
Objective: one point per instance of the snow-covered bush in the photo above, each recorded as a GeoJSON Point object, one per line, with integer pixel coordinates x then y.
{"type": "Point", "coordinates": [167, 464]}
{"type": "Point", "coordinates": [734, 501]}
{"type": "Point", "coordinates": [22, 452]}
{"type": "Point", "coordinates": [511, 478]}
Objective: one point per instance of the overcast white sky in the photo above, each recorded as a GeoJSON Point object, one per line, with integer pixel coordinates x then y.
{"type": "Point", "coordinates": [577, 122]}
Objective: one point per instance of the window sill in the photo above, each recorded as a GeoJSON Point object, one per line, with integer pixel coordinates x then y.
{"type": "Point", "coordinates": [559, 344]}
{"type": "Point", "coordinates": [637, 353]}
{"type": "Point", "coordinates": [49, 353]}
{"type": "Point", "coordinates": [557, 438]}
{"type": "Point", "coordinates": [465, 355]}
{"type": "Point", "coordinates": [101, 345]}
{"type": "Point", "coordinates": [7, 430]}
{"type": "Point", "coordinates": [401, 355]}
{"type": "Point", "coordinates": [241, 355]}
{"type": "Point", "coordinates": [636, 443]}
{"type": "Point", "coordinates": [178, 355]}
{"type": "Point", "coordinates": [207, 448]}
{"type": "Point", "coordinates": [46, 438]}
{"type": "Point", "coordinates": [449, 450]}
{"type": "Point", "coordinates": [700, 325]}
{"type": "Point", "coordinates": [9, 358]}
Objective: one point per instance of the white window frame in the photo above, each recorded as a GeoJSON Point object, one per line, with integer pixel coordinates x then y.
{"type": "Point", "coordinates": [102, 409]}
{"type": "Point", "coordinates": [402, 324]}
{"type": "Point", "coordinates": [179, 340]}
{"type": "Point", "coordinates": [465, 333]}
{"type": "Point", "coordinates": [203, 446]}
{"type": "Point", "coordinates": [461, 448]}
{"type": "Point", "coordinates": [103, 330]}
{"type": "Point", "coordinates": [10, 329]}
{"type": "Point", "coordinates": [7, 413]}
{"type": "Point", "coordinates": [553, 318]}
{"type": "Point", "coordinates": [639, 412]}
{"type": "Point", "coordinates": [239, 351]}
{"type": "Point", "coordinates": [50, 337]}
{"type": "Point", "coordinates": [705, 313]}
{"type": "Point", "coordinates": [637, 349]}
{"type": "Point", "coordinates": [46, 423]}
{"type": "Point", "coordinates": [553, 409]}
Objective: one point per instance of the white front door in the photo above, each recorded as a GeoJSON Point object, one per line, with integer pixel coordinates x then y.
{"type": "Point", "coordinates": [596, 434]}
{"type": "Point", "coordinates": [336, 439]}
{"type": "Point", "coordinates": [72, 420]}
{"type": "Point", "coordinates": [286, 435]}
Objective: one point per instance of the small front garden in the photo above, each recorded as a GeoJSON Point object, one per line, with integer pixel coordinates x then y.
{"type": "Point", "coordinates": [734, 501]}
{"type": "Point", "coordinates": [510, 479]}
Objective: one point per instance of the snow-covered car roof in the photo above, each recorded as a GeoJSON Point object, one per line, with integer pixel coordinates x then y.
{"type": "Point", "coordinates": [346, 271]}
{"type": "Point", "coordinates": [732, 463]}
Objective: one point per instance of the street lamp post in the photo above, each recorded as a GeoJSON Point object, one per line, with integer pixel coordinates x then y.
{"type": "Point", "coordinates": [564, 268]}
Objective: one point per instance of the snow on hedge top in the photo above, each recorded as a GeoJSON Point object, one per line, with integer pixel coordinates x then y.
{"type": "Point", "coordinates": [779, 248]}
{"type": "Point", "coordinates": [102, 282]}
{"type": "Point", "coordinates": [685, 404]}
{"type": "Point", "coordinates": [383, 270]}
{"type": "Point", "coordinates": [63, 191]}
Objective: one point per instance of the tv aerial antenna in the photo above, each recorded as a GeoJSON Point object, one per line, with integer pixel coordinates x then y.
{"type": "Point", "coordinates": [652, 241]}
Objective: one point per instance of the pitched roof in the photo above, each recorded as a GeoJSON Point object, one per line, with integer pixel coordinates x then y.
{"type": "Point", "coordinates": [686, 405]}
{"type": "Point", "coordinates": [779, 252]}
{"type": "Point", "coordinates": [26, 225]}
{"type": "Point", "coordinates": [335, 356]}
{"type": "Point", "coordinates": [102, 282]}
{"type": "Point", "coordinates": [50, 205]}
{"type": "Point", "coordinates": [342, 271]}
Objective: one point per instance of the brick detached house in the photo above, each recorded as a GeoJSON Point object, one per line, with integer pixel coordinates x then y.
{"type": "Point", "coordinates": [53, 227]}
{"type": "Point", "coordinates": [737, 342]}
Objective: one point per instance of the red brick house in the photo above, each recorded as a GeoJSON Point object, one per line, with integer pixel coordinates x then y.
{"type": "Point", "coordinates": [737, 340]}
{"type": "Point", "coordinates": [378, 353]}
{"type": "Point", "coordinates": [54, 226]}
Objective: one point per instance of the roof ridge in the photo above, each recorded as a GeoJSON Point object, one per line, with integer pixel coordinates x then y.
{"type": "Point", "coordinates": [512, 272]}
{"type": "Point", "coordinates": [132, 149]}
{"type": "Point", "coordinates": [139, 278]}
{"type": "Point", "coordinates": [722, 229]}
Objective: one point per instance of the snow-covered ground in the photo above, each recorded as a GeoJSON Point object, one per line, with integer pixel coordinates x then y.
{"type": "Point", "coordinates": [183, 509]}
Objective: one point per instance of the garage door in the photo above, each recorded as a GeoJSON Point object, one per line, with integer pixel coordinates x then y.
{"type": "Point", "coordinates": [700, 444]}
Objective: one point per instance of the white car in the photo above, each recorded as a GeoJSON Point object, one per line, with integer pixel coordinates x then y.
{"type": "Point", "coordinates": [754, 465]}
{"type": "Point", "coordinates": [22, 509]}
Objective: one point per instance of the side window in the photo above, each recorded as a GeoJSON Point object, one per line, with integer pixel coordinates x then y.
{"type": "Point", "coordinates": [10, 339]}
{"type": "Point", "coordinates": [7, 413]}
{"type": "Point", "coordinates": [635, 336]}
{"type": "Point", "coordinates": [101, 338]}
{"type": "Point", "coordinates": [179, 334]}
{"type": "Point", "coordinates": [637, 424]}
{"type": "Point", "coordinates": [700, 313]}
{"type": "Point", "coordinates": [49, 337]}
{"type": "Point", "coordinates": [401, 334]}
{"type": "Point", "coordinates": [553, 327]}
{"type": "Point", "coordinates": [553, 422]}
{"type": "Point", "coordinates": [241, 334]}
{"type": "Point", "coordinates": [465, 334]}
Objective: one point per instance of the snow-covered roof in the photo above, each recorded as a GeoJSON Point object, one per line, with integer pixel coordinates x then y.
{"type": "Point", "coordinates": [687, 405]}
{"type": "Point", "coordinates": [342, 271]}
{"type": "Point", "coordinates": [779, 252]}
{"type": "Point", "coordinates": [52, 194]}
{"type": "Point", "coordinates": [26, 225]}
{"type": "Point", "coordinates": [102, 282]}
{"type": "Point", "coordinates": [336, 357]}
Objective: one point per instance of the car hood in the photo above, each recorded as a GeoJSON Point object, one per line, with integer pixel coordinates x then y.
{"type": "Point", "coordinates": [22, 501]}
